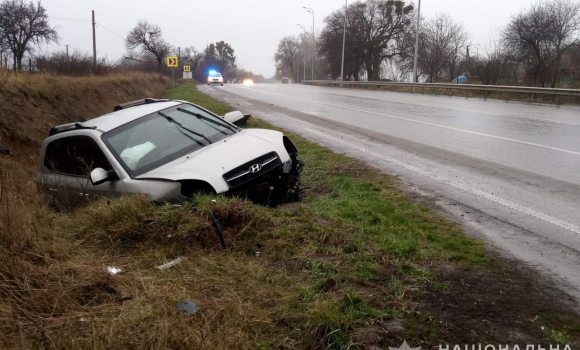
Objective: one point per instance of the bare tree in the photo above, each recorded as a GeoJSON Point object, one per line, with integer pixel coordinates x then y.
{"type": "Point", "coordinates": [494, 65]}
{"type": "Point", "coordinates": [378, 28]}
{"type": "Point", "coordinates": [23, 25]}
{"type": "Point", "coordinates": [146, 37]}
{"type": "Point", "coordinates": [376, 31]}
{"type": "Point", "coordinates": [287, 53]}
{"type": "Point", "coordinates": [330, 45]}
{"type": "Point", "coordinates": [537, 37]}
{"type": "Point", "coordinates": [442, 45]}
{"type": "Point", "coordinates": [219, 56]}
{"type": "Point", "coordinates": [192, 57]}
{"type": "Point", "coordinates": [457, 48]}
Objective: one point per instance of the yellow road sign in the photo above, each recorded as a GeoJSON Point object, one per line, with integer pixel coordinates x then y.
{"type": "Point", "coordinates": [172, 61]}
{"type": "Point", "coordinates": [187, 68]}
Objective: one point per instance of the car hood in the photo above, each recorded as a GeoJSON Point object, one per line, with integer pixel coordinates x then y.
{"type": "Point", "coordinates": [221, 157]}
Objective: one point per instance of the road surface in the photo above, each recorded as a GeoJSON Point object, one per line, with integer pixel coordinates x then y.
{"type": "Point", "coordinates": [508, 172]}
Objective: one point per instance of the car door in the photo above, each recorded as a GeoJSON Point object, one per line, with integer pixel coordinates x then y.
{"type": "Point", "coordinates": [68, 163]}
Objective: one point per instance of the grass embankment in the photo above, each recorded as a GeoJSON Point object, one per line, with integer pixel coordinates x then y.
{"type": "Point", "coordinates": [30, 104]}
{"type": "Point", "coordinates": [356, 262]}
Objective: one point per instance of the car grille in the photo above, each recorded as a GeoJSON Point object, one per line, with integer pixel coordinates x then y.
{"type": "Point", "coordinates": [252, 169]}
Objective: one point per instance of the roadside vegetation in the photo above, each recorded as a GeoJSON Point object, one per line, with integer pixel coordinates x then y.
{"type": "Point", "coordinates": [537, 46]}
{"type": "Point", "coordinates": [356, 263]}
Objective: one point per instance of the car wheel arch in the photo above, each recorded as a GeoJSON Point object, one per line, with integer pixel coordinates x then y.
{"type": "Point", "coordinates": [191, 188]}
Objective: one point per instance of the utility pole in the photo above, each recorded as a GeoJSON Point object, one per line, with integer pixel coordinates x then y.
{"type": "Point", "coordinates": [313, 40]}
{"type": "Point", "coordinates": [343, 42]}
{"type": "Point", "coordinates": [94, 44]}
{"type": "Point", "coordinates": [304, 53]}
{"type": "Point", "coordinates": [66, 51]}
{"type": "Point", "coordinates": [467, 70]}
{"type": "Point", "coordinates": [178, 57]}
{"type": "Point", "coordinates": [415, 80]}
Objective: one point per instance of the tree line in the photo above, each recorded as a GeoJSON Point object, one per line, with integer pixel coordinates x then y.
{"type": "Point", "coordinates": [539, 46]}
{"type": "Point", "coordinates": [25, 25]}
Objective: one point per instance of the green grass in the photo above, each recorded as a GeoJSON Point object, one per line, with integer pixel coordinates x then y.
{"type": "Point", "coordinates": [188, 92]}
{"type": "Point", "coordinates": [558, 337]}
{"type": "Point", "coordinates": [354, 227]}
{"type": "Point", "coordinates": [357, 235]}
{"type": "Point", "coordinates": [355, 252]}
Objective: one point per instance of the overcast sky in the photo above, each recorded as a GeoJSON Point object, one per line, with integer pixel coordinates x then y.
{"type": "Point", "coordinates": [252, 27]}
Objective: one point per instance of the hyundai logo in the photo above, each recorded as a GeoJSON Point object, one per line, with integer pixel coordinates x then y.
{"type": "Point", "coordinates": [255, 168]}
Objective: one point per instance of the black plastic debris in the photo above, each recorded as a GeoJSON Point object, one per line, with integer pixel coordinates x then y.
{"type": "Point", "coordinates": [217, 226]}
{"type": "Point", "coordinates": [259, 249]}
{"type": "Point", "coordinates": [255, 251]}
{"type": "Point", "coordinates": [187, 306]}
{"type": "Point", "coordinates": [5, 151]}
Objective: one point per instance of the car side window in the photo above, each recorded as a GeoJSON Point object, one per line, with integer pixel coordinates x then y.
{"type": "Point", "coordinates": [74, 155]}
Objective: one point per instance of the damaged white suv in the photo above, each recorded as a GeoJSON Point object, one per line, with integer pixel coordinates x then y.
{"type": "Point", "coordinates": [169, 150]}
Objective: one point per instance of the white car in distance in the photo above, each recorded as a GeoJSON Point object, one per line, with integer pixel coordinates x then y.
{"type": "Point", "coordinates": [214, 77]}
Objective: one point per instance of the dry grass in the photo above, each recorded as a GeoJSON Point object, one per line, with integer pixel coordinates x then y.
{"type": "Point", "coordinates": [353, 256]}
{"type": "Point", "coordinates": [33, 103]}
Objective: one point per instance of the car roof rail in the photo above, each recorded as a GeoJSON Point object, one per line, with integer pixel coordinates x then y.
{"type": "Point", "coordinates": [143, 101]}
{"type": "Point", "coordinates": [68, 127]}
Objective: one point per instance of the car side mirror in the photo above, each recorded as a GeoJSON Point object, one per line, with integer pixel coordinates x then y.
{"type": "Point", "coordinates": [100, 175]}
{"type": "Point", "coordinates": [236, 117]}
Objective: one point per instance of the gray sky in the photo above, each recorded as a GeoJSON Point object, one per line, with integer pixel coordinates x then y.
{"type": "Point", "coordinates": [252, 27]}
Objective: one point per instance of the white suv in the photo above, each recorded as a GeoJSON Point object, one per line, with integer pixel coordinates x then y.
{"type": "Point", "coordinates": [169, 150]}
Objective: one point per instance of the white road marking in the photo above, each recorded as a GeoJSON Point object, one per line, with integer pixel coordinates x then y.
{"type": "Point", "coordinates": [458, 185]}
{"type": "Point", "coordinates": [427, 123]}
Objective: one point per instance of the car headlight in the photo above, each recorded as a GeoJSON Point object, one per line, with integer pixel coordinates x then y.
{"type": "Point", "coordinates": [248, 82]}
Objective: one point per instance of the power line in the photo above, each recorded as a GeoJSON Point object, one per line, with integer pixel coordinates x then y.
{"type": "Point", "coordinates": [85, 21]}
{"type": "Point", "coordinates": [110, 31]}
{"type": "Point", "coordinates": [70, 19]}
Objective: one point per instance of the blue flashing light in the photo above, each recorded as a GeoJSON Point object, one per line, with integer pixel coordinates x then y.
{"type": "Point", "coordinates": [212, 72]}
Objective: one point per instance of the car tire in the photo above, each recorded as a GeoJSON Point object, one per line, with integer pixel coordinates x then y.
{"type": "Point", "coordinates": [222, 84]}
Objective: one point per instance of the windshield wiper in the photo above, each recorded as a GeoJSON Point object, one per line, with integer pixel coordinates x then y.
{"type": "Point", "coordinates": [224, 124]}
{"type": "Point", "coordinates": [183, 127]}
{"type": "Point", "coordinates": [213, 122]}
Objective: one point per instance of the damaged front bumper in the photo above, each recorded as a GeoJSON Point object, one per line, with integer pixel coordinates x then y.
{"type": "Point", "coordinates": [266, 180]}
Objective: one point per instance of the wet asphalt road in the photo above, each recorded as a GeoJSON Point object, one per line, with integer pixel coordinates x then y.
{"type": "Point", "coordinates": [509, 172]}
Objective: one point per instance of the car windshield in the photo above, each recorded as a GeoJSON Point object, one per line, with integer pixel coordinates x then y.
{"type": "Point", "coordinates": [149, 142]}
{"type": "Point", "coordinates": [215, 75]}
